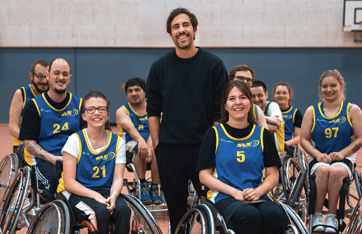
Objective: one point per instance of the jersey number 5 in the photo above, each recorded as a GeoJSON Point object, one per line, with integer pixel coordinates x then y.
{"type": "Point", "coordinates": [240, 156]}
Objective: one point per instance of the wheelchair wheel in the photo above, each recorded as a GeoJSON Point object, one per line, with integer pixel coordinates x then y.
{"type": "Point", "coordinates": [51, 219]}
{"type": "Point", "coordinates": [142, 220]}
{"type": "Point", "coordinates": [194, 221]}
{"type": "Point", "coordinates": [8, 171]}
{"type": "Point", "coordinates": [14, 201]}
{"type": "Point", "coordinates": [295, 220]}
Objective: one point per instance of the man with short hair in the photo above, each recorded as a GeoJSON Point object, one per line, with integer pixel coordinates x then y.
{"type": "Point", "coordinates": [23, 95]}
{"type": "Point", "coordinates": [245, 74]}
{"type": "Point", "coordinates": [186, 85]}
{"type": "Point", "coordinates": [49, 120]}
{"type": "Point", "coordinates": [271, 110]}
{"type": "Point", "coordinates": [132, 120]}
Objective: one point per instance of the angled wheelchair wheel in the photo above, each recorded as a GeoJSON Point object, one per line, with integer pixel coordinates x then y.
{"type": "Point", "coordinates": [142, 220]}
{"type": "Point", "coordinates": [355, 222]}
{"type": "Point", "coordinates": [51, 219]}
{"type": "Point", "coordinates": [296, 223]}
{"type": "Point", "coordinates": [194, 221]}
{"type": "Point", "coordinates": [8, 171]}
{"type": "Point", "coordinates": [14, 201]}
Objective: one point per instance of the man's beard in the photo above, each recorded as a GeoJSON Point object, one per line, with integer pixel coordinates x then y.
{"type": "Point", "coordinates": [37, 88]}
{"type": "Point", "coordinates": [60, 91]}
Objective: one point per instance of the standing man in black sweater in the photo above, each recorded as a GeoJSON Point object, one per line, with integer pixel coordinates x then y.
{"type": "Point", "coordinates": [186, 86]}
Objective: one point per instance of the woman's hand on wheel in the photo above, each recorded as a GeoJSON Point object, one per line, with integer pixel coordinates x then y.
{"type": "Point", "coordinates": [251, 194]}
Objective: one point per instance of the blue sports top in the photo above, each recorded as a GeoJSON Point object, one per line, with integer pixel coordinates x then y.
{"type": "Point", "coordinates": [55, 125]}
{"type": "Point", "coordinates": [289, 118]}
{"type": "Point", "coordinates": [239, 161]}
{"type": "Point", "coordinates": [331, 134]}
{"type": "Point", "coordinates": [29, 94]}
{"type": "Point", "coordinates": [140, 122]}
{"type": "Point", "coordinates": [95, 170]}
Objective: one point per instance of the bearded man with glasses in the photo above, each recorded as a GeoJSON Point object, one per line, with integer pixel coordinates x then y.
{"type": "Point", "coordinates": [23, 95]}
{"type": "Point", "coordinates": [49, 120]}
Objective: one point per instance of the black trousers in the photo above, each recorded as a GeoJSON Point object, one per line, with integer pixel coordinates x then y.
{"type": "Point", "coordinates": [266, 217]}
{"type": "Point", "coordinates": [85, 208]}
{"type": "Point", "coordinates": [48, 179]}
{"type": "Point", "coordinates": [176, 165]}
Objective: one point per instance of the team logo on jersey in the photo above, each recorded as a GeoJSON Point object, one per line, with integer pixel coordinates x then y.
{"type": "Point", "coordinates": [143, 119]}
{"type": "Point", "coordinates": [73, 113]}
{"type": "Point", "coordinates": [249, 144]}
{"type": "Point", "coordinates": [339, 120]}
{"type": "Point", "coordinates": [287, 116]}
{"type": "Point", "coordinates": [107, 157]}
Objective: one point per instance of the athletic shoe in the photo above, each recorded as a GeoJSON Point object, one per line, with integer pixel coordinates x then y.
{"type": "Point", "coordinates": [145, 193]}
{"type": "Point", "coordinates": [331, 220]}
{"type": "Point", "coordinates": [156, 198]}
{"type": "Point", "coordinates": [318, 223]}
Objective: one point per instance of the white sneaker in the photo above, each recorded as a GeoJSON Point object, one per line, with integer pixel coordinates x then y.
{"type": "Point", "coordinates": [318, 223]}
{"type": "Point", "coordinates": [331, 220]}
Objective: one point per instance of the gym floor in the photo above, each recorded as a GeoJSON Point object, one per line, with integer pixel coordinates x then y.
{"type": "Point", "coordinates": [162, 219]}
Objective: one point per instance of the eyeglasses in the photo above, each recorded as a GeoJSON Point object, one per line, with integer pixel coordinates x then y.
{"type": "Point", "coordinates": [242, 78]}
{"type": "Point", "coordinates": [40, 77]}
{"type": "Point", "coordinates": [92, 109]}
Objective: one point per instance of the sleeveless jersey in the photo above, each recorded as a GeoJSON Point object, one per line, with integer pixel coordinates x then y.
{"type": "Point", "coordinates": [239, 161]}
{"type": "Point", "coordinates": [279, 135]}
{"type": "Point", "coordinates": [140, 122]}
{"type": "Point", "coordinates": [331, 134]}
{"type": "Point", "coordinates": [95, 170]}
{"type": "Point", "coordinates": [289, 118]}
{"type": "Point", "coordinates": [55, 125]}
{"type": "Point", "coordinates": [28, 95]}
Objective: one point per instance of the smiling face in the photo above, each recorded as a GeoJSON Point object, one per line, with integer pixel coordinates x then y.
{"type": "Point", "coordinates": [244, 76]}
{"type": "Point", "coordinates": [39, 79]}
{"type": "Point", "coordinates": [259, 97]}
{"type": "Point", "coordinates": [135, 95]}
{"type": "Point", "coordinates": [237, 105]}
{"type": "Point", "coordinates": [97, 119]}
{"type": "Point", "coordinates": [282, 96]}
{"type": "Point", "coordinates": [59, 76]}
{"type": "Point", "coordinates": [331, 89]}
{"type": "Point", "coordinates": [182, 32]}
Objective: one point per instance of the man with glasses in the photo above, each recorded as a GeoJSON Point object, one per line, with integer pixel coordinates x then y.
{"type": "Point", "coordinates": [48, 121]}
{"type": "Point", "coordinates": [245, 74]}
{"type": "Point", "coordinates": [132, 121]}
{"type": "Point", "coordinates": [23, 95]}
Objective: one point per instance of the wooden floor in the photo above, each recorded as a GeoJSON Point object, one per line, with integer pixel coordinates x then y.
{"type": "Point", "coordinates": [6, 142]}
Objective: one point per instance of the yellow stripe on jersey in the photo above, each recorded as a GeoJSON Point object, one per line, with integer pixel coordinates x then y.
{"type": "Point", "coordinates": [295, 111]}
{"type": "Point", "coordinates": [324, 116]}
{"type": "Point", "coordinates": [90, 148]}
{"type": "Point", "coordinates": [80, 148]}
{"type": "Point", "coordinates": [80, 103]}
{"type": "Point", "coordinates": [24, 101]}
{"type": "Point", "coordinates": [135, 111]}
{"type": "Point", "coordinates": [349, 120]}
{"type": "Point", "coordinates": [37, 107]}
{"type": "Point", "coordinates": [262, 139]}
{"type": "Point", "coordinates": [70, 99]}
{"type": "Point", "coordinates": [217, 138]}
{"type": "Point", "coordinates": [313, 125]}
{"type": "Point", "coordinates": [31, 89]}
{"type": "Point", "coordinates": [238, 139]}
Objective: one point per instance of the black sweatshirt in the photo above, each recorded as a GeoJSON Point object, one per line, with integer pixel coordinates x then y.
{"type": "Point", "coordinates": [188, 92]}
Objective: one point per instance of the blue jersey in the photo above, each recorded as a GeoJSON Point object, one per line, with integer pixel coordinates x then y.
{"type": "Point", "coordinates": [140, 122]}
{"type": "Point", "coordinates": [331, 134]}
{"type": "Point", "coordinates": [28, 95]}
{"type": "Point", "coordinates": [95, 170]}
{"type": "Point", "coordinates": [56, 125]}
{"type": "Point", "coordinates": [289, 118]}
{"type": "Point", "coordinates": [239, 161]}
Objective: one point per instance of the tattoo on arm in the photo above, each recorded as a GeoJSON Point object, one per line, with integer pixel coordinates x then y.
{"type": "Point", "coordinates": [31, 148]}
{"type": "Point", "coordinates": [356, 147]}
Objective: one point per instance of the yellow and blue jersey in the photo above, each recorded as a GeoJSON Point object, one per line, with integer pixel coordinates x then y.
{"type": "Point", "coordinates": [279, 135]}
{"type": "Point", "coordinates": [331, 134]}
{"type": "Point", "coordinates": [289, 118]}
{"type": "Point", "coordinates": [28, 95]}
{"type": "Point", "coordinates": [95, 170]}
{"type": "Point", "coordinates": [56, 125]}
{"type": "Point", "coordinates": [239, 161]}
{"type": "Point", "coordinates": [140, 122]}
